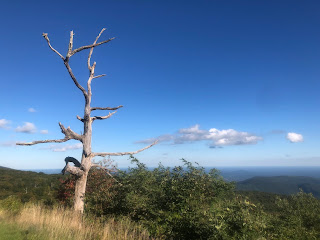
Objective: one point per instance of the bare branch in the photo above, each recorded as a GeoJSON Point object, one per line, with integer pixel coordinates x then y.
{"type": "Point", "coordinates": [108, 171]}
{"type": "Point", "coordinates": [66, 60]}
{"type": "Point", "coordinates": [91, 50]}
{"type": "Point", "coordinates": [66, 63]}
{"type": "Point", "coordinates": [79, 118]}
{"type": "Point", "coordinates": [90, 46]}
{"type": "Point", "coordinates": [92, 68]}
{"type": "Point", "coordinates": [45, 35]}
{"type": "Point", "coordinates": [106, 108]}
{"type": "Point", "coordinates": [103, 117]}
{"type": "Point", "coordinates": [102, 167]}
{"type": "Point", "coordinates": [70, 44]}
{"type": "Point", "coordinates": [69, 134]}
{"type": "Point", "coordinates": [43, 141]}
{"type": "Point", "coordinates": [74, 170]}
{"type": "Point", "coordinates": [99, 76]}
{"type": "Point", "coordinates": [103, 154]}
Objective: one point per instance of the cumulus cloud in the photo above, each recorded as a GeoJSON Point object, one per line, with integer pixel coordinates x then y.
{"type": "Point", "coordinates": [64, 148]}
{"type": "Point", "coordinates": [215, 137]}
{"type": "Point", "coordinates": [27, 128]}
{"type": "Point", "coordinates": [44, 131]}
{"type": "Point", "coordinates": [4, 123]}
{"type": "Point", "coordinates": [294, 137]}
{"type": "Point", "coordinates": [231, 137]}
{"type": "Point", "coordinates": [32, 110]}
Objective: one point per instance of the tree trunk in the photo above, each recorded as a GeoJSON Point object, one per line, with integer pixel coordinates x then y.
{"type": "Point", "coordinates": [81, 183]}
{"type": "Point", "coordinates": [80, 193]}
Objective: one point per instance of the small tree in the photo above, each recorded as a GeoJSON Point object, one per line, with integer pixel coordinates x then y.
{"type": "Point", "coordinates": [81, 170]}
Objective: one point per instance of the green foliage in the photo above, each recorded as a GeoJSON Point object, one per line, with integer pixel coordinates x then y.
{"type": "Point", "coordinates": [184, 202]}
{"type": "Point", "coordinates": [101, 193]}
{"type": "Point", "coordinates": [65, 191]}
{"type": "Point", "coordinates": [12, 204]}
{"type": "Point", "coordinates": [267, 201]}
{"type": "Point", "coordinates": [174, 202]}
{"type": "Point", "coordinates": [239, 218]}
{"type": "Point", "coordinates": [28, 186]}
{"type": "Point", "coordinates": [298, 217]}
{"type": "Point", "coordinates": [11, 232]}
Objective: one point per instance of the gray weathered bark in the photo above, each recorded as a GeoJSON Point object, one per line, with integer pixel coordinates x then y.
{"type": "Point", "coordinates": [86, 161]}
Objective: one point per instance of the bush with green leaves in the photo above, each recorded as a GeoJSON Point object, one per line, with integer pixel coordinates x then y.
{"type": "Point", "coordinates": [100, 194]}
{"type": "Point", "coordinates": [172, 202]}
{"type": "Point", "coordinates": [12, 204]}
{"type": "Point", "coordinates": [188, 202]}
{"type": "Point", "coordinates": [298, 217]}
{"type": "Point", "coordinates": [185, 202]}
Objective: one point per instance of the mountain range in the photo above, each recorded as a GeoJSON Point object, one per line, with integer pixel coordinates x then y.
{"type": "Point", "coordinates": [281, 185]}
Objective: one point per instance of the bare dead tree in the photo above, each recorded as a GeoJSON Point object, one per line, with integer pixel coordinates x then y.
{"type": "Point", "coordinates": [81, 172]}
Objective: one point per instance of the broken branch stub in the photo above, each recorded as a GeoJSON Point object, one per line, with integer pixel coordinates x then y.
{"type": "Point", "coordinates": [74, 170]}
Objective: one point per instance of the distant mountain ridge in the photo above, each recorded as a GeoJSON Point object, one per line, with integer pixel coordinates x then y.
{"type": "Point", "coordinates": [243, 173]}
{"type": "Point", "coordinates": [11, 180]}
{"type": "Point", "coordinates": [6, 168]}
{"type": "Point", "coordinates": [27, 184]}
{"type": "Point", "coordinates": [281, 185]}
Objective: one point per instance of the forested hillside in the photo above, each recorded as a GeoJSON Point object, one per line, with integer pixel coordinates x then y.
{"type": "Point", "coordinates": [28, 185]}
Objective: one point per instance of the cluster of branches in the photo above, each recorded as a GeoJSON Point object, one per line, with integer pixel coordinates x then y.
{"type": "Point", "coordinates": [87, 119]}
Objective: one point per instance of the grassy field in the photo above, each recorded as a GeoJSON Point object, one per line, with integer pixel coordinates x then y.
{"type": "Point", "coordinates": [35, 222]}
{"type": "Point", "coordinates": [12, 232]}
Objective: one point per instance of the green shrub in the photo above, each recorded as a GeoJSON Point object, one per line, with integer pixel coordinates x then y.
{"type": "Point", "coordinates": [298, 217]}
{"type": "Point", "coordinates": [187, 202]}
{"type": "Point", "coordinates": [12, 204]}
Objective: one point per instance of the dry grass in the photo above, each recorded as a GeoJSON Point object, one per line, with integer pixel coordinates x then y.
{"type": "Point", "coordinates": [58, 223]}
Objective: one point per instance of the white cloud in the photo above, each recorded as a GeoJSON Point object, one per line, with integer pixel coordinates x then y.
{"type": "Point", "coordinates": [27, 128]}
{"type": "Point", "coordinates": [32, 110]}
{"type": "Point", "coordinates": [44, 131]}
{"type": "Point", "coordinates": [215, 137]}
{"type": "Point", "coordinates": [64, 148]}
{"type": "Point", "coordinates": [4, 123]}
{"type": "Point", "coordinates": [231, 137]}
{"type": "Point", "coordinates": [191, 134]}
{"type": "Point", "coordinates": [294, 137]}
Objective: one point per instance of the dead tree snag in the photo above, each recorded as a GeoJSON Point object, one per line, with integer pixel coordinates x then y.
{"type": "Point", "coordinates": [81, 171]}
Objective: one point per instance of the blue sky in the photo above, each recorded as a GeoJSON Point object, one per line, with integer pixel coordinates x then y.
{"type": "Point", "coordinates": [223, 83]}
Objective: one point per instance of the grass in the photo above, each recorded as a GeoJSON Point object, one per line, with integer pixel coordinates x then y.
{"type": "Point", "coordinates": [36, 222]}
{"type": "Point", "coordinates": [11, 232]}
